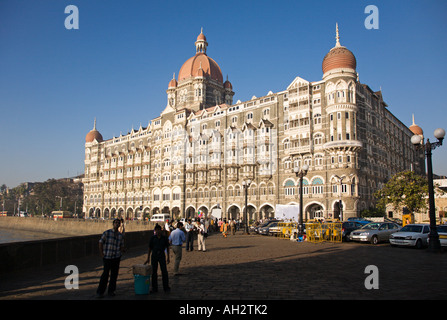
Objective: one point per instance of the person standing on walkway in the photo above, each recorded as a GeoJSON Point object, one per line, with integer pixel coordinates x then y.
{"type": "Point", "coordinates": [156, 255]}
{"type": "Point", "coordinates": [207, 225]}
{"type": "Point", "coordinates": [201, 236]}
{"type": "Point", "coordinates": [111, 247]}
{"type": "Point", "coordinates": [224, 228]}
{"type": "Point", "coordinates": [167, 228]}
{"type": "Point", "coordinates": [190, 230]}
{"type": "Point", "coordinates": [176, 239]}
{"type": "Point", "coordinates": [233, 227]}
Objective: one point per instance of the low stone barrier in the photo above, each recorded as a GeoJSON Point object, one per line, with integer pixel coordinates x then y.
{"type": "Point", "coordinates": [36, 254]}
{"type": "Point", "coordinates": [73, 227]}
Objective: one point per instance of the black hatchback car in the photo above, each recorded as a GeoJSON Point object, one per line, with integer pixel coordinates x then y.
{"type": "Point", "coordinates": [349, 226]}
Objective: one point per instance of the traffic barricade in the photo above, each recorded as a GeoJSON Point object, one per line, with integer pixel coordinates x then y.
{"type": "Point", "coordinates": [317, 231]}
{"type": "Point", "coordinates": [287, 229]}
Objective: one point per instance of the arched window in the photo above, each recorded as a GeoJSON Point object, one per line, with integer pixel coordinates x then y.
{"type": "Point", "coordinates": [237, 191]}
{"type": "Point", "coordinates": [353, 187]}
{"type": "Point", "coordinates": [289, 188]}
{"type": "Point", "coordinates": [318, 139]}
{"type": "Point", "coordinates": [317, 186]}
{"type": "Point", "coordinates": [305, 187]}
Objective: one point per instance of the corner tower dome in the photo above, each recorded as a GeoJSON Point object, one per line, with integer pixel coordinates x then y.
{"type": "Point", "coordinates": [200, 65]}
{"type": "Point", "coordinates": [416, 129]}
{"type": "Point", "coordinates": [93, 135]}
{"type": "Point", "coordinates": [338, 57]}
{"type": "Point", "coordinates": [173, 83]}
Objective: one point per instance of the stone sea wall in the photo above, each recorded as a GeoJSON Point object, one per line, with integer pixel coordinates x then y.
{"type": "Point", "coordinates": [33, 255]}
{"type": "Point", "coordinates": [79, 239]}
{"type": "Point", "coordinates": [69, 227]}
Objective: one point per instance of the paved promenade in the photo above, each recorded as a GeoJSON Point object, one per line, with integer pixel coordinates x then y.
{"type": "Point", "coordinates": [254, 267]}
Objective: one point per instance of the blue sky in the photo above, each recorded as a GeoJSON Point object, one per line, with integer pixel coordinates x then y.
{"type": "Point", "coordinates": [117, 65]}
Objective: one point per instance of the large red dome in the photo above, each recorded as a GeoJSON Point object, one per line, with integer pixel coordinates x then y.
{"type": "Point", "coordinates": [200, 65]}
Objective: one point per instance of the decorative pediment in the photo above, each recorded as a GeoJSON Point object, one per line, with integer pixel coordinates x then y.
{"type": "Point", "coordinates": [265, 123]}
{"type": "Point", "coordinates": [297, 82]}
{"type": "Point", "coordinates": [168, 109]}
{"type": "Point", "coordinates": [248, 126]}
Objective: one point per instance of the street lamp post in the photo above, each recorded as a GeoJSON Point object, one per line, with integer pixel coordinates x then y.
{"type": "Point", "coordinates": [246, 184]}
{"type": "Point", "coordinates": [301, 172]}
{"type": "Point", "coordinates": [60, 205]}
{"type": "Point", "coordinates": [340, 203]}
{"type": "Point", "coordinates": [434, 244]}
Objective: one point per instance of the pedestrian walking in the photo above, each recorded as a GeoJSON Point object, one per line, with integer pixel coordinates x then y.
{"type": "Point", "coordinates": [233, 227]}
{"type": "Point", "coordinates": [190, 230]}
{"type": "Point", "coordinates": [176, 239]}
{"type": "Point", "coordinates": [156, 256]}
{"type": "Point", "coordinates": [207, 225]}
{"type": "Point", "coordinates": [224, 228]}
{"type": "Point", "coordinates": [111, 247]}
{"type": "Point", "coordinates": [167, 228]}
{"type": "Point", "coordinates": [201, 236]}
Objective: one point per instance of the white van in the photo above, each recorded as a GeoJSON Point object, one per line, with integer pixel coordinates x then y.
{"type": "Point", "coordinates": [161, 217]}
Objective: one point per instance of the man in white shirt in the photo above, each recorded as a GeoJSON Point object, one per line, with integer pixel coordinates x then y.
{"type": "Point", "coordinates": [201, 236]}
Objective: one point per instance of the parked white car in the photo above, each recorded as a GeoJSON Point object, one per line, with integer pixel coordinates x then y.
{"type": "Point", "coordinates": [161, 217]}
{"type": "Point", "coordinates": [413, 235]}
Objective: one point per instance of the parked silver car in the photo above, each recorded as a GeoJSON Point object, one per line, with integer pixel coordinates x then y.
{"type": "Point", "coordinates": [374, 232]}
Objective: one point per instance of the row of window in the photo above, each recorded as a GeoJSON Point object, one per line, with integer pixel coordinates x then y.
{"type": "Point", "coordinates": [317, 184]}
{"type": "Point", "coordinates": [315, 189]}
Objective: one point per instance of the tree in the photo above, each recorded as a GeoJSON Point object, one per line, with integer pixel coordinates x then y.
{"type": "Point", "coordinates": [372, 212]}
{"type": "Point", "coordinates": [404, 189]}
{"type": "Point", "coordinates": [44, 197]}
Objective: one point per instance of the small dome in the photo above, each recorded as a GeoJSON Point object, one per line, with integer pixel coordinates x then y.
{"type": "Point", "coordinates": [416, 129]}
{"type": "Point", "coordinates": [173, 83]}
{"type": "Point", "coordinates": [201, 36]}
{"type": "Point", "coordinates": [228, 85]}
{"type": "Point", "coordinates": [93, 134]}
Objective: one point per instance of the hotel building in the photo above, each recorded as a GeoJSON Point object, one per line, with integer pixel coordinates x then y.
{"type": "Point", "coordinates": [197, 154]}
